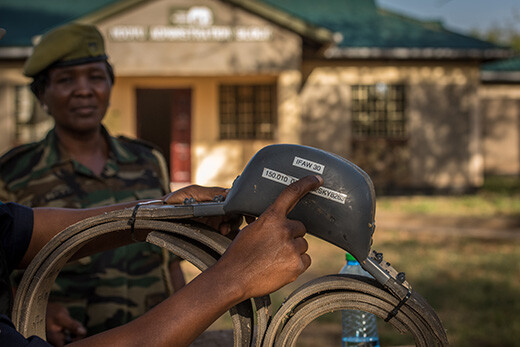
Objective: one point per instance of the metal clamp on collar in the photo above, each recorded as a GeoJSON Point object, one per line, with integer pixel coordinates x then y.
{"type": "Point", "coordinates": [396, 309]}
{"type": "Point", "coordinates": [131, 220]}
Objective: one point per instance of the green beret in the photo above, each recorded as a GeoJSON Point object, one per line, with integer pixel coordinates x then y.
{"type": "Point", "coordinates": [71, 44]}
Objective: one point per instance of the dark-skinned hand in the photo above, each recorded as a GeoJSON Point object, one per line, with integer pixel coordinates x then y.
{"type": "Point", "coordinates": [271, 251]}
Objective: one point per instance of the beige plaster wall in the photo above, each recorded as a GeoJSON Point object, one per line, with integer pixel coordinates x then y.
{"type": "Point", "coordinates": [314, 109]}
{"type": "Point", "coordinates": [214, 161]}
{"type": "Point", "coordinates": [441, 106]}
{"type": "Point", "coordinates": [11, 77]}
{"type": "Point", "coordinates": [313, 97]}
{"type": "Point", "coordinates": [444, 126]}
{"type": "Point", "coordinates": [500, 111]}
{"type": "Point", "coordinates": [6, 119]}
{"type": "Point", "coordinates": [202, 66]}
{"type": "Point", "coordinates": [145, 58]}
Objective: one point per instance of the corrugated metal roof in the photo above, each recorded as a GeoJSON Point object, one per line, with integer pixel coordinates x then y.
{"type": "Point", "coordinates": [501, 71]}
{"type": "Point", "coordinates": [362, 24]}
{"type": "Point", "coordinates": [24, 19]}
{"type": "Point", "coordinates": [353, 28]}
{"type": "Point", "coordinates": [512, 64]}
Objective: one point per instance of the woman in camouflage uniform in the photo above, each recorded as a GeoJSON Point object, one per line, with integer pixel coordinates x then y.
{"type": "Point", "coordinates": [78, 165]}
{"type": "Point", "coordinates": [265, 256]}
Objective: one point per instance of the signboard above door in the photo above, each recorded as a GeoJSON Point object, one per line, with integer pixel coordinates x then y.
{"type": "Point", "coordinates": [196, 23]}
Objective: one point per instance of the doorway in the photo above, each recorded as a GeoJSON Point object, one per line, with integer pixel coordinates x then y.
{"type": "Point", "coordinates": [164, 118]}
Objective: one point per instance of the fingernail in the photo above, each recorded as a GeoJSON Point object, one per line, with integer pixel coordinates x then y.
{"type": "Point", "coordinates": [225, 229]}
{"type": "Point", "coordinates": [319, 178]}
{"type": "Point", "coordinates": [81, 330]}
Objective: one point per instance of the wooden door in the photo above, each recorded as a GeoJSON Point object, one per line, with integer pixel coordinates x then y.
{"type": "Point", "coordinates": [180, 149]}
{"type": "Point", "coordinates": [164, 118]}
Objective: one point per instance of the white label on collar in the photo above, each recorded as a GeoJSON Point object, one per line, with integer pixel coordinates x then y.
{"type": "Point", "coordinates": [308, 165]}
{"type": "Point", "coordinates": [321, 191]}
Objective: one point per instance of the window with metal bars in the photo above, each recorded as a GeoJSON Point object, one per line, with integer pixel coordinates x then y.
{"type": "Point", "coordinates": [247, 112]}
{"type": "Point", "coordinates": [378, 111]}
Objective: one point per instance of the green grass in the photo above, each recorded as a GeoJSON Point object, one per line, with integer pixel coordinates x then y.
{"type": "Point", "coordinates": [481, 205]}
{"type": "Point", "coordinates": [500, 196]}
{"type": "Point", "coordinates": [473, 284]}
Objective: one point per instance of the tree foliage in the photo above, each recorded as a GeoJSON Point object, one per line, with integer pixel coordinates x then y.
{"type": "Point", "coordinates": [506, 33]}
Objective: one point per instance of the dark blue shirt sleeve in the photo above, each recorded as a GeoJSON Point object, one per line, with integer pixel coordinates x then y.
{"type": "Point", "coordinates": [10, 337]}
{"type": "Point", "coordinates": [16, 225]}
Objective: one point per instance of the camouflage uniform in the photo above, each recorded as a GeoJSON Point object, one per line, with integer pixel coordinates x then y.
{"type": "Point", "coordinates": [110, 288]}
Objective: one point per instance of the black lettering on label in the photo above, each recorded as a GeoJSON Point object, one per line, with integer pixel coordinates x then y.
{"type": "Point", "coordinates": [308, 165]}
{"type": "Point", "coordinates": [321, 191]}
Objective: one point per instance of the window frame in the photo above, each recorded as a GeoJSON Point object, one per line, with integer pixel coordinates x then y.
{"type": "Point", "coordinates": [247, 111]}
{"type": "Point", "coordinates": [379, 111]}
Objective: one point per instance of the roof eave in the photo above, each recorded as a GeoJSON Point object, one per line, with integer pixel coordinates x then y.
{"type": "Point", "coordinates": [11, 53]}
{"type": "Point", "coordinates": [22, 52]}
{"type": "Point", "coordinates": [415, 53]}
{"type": "Point", "coordinates": [500, 76]}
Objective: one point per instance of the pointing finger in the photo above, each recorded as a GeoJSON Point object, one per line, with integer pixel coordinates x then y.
{"type": "Point", "coordinates": [290, 196]}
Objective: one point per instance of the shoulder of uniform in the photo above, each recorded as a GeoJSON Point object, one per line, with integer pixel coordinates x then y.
{"type": "Point", "coordinates": [155, 151]}
{"type": "Point", "coordinates": [14, 162]}
{"type": "Point", "coordinates": [139, 142]}
{"type": "Point", "coordinates": [141, 146]}
{"type": "Point", "coordinates": [17, 152]}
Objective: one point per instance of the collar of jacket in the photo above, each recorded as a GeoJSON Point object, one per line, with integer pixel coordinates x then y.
{"type": "Point", "coordinates": [55, 154]}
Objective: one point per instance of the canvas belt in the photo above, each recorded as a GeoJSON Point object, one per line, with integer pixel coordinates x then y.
{"type": "Point", "coordinates": [253, 323]}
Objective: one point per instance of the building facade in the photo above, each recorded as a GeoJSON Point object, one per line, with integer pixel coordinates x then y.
{"type": "Point", "coordinates": [500, 109]}
{"type": "Point", "coordinates": [213, 81]}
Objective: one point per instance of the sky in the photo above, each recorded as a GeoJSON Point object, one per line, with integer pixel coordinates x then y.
{"type": "Point", "coordinates": [461, 15]}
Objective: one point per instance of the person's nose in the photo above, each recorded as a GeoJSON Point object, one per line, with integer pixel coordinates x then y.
{"type": "Point", "coordinates": [83, 86]}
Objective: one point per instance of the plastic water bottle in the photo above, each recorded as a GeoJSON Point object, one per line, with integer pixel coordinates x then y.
{"type": "Point", "coordinates": [358, 328]}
